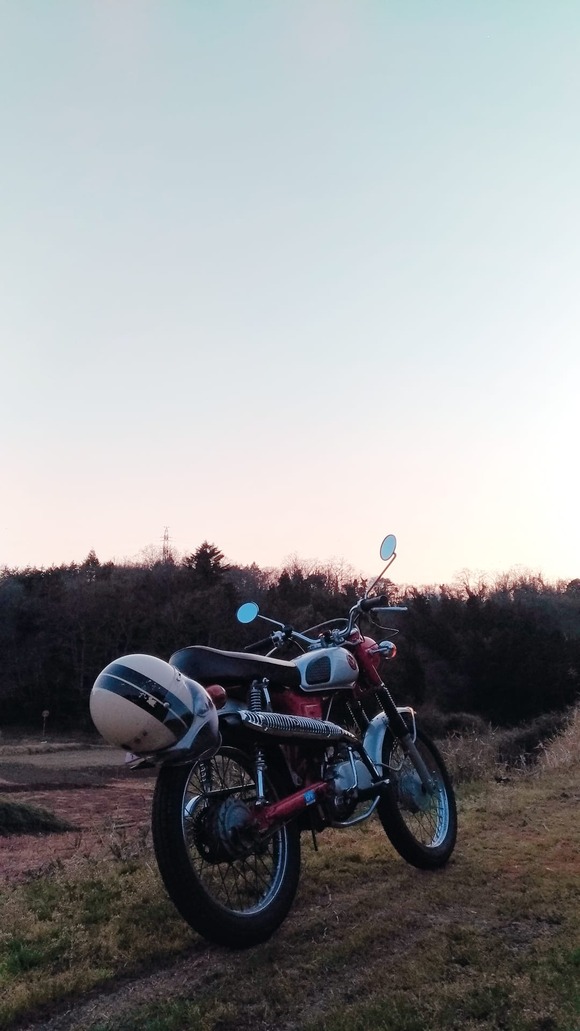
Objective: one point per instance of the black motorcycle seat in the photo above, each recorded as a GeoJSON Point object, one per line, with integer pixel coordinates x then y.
{"type": "Point", "coordinates": [211, 665]}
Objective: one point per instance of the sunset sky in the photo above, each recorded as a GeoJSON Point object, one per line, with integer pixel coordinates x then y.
{"type": "Point", "coordinates": [288, 275]}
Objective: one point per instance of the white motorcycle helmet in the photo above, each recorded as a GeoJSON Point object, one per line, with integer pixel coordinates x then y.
{"type": "Point", "coordinates": [144, 705]}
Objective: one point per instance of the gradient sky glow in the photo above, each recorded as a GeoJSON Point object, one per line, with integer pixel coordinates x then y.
{"type": "Point", "coordinates": [288, 276]}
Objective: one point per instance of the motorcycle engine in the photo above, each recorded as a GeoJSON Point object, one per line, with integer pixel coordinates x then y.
{"type": "Point", "coordinates": [347, 775]}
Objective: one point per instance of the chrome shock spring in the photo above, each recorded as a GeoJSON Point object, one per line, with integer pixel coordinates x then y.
{"type": "Point", "coordinates": [255, 701]}
{"type": "Point", "coordinates": [255, 698]}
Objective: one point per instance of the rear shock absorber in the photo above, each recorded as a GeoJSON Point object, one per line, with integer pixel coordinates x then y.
{"type": "Point", "coordinates": [258, 689]}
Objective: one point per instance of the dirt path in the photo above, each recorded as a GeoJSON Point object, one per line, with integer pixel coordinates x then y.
{"type": "Point", "coordinates": [177, 980]}
{"type": "Point", "coordinates": [88, 787]}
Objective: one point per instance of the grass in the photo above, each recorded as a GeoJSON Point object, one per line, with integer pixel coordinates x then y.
{"type": "Point", "coordinates": [491, 943]}
{"type": "Point", "coordinates": [563, 750]}
{"type": "Point", "coordinates": [22, 818]}
{"type": "Point", "coordinates": [64, 933]}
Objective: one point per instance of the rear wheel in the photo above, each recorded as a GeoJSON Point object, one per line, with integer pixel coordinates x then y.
{"type": "Point", "coordinates": [422, 825]}
{"type": "Point", "coordinates": [230, 884]}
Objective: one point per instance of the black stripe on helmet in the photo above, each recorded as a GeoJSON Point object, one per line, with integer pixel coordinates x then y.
{"type": "Point", "coordinates": [147, 695]}
{"type": "Point", "coordinates": [151, 687]}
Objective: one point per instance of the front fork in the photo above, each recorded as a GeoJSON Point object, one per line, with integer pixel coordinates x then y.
{"type": "Point", "coordinates": [396, 722]}
{"type": "Point", "coordinates": [259, 696]}
{"type": "Point", "coordinates": [401, 731]}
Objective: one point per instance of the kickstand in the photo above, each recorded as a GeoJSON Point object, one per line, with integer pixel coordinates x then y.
{"type": "Point", "coordinates": [314, 841]}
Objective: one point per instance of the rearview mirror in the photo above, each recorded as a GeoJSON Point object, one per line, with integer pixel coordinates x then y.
{"type": "Point", "coordinates": [388, 547]}
{"type": "Point", "coordinates": [247, 612]}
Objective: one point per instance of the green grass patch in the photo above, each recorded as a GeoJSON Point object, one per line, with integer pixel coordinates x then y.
{"type": "Point", "coordinates": [61, 935]}
{"type": "Point", "coordinates": [22, 818]}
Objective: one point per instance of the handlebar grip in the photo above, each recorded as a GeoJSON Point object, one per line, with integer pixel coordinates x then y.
{"type": "Point", "coordinates": [367, 604]}
{"type": "Point", "coordinates": [259, 644]}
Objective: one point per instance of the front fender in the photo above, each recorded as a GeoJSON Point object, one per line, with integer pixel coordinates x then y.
{"type": "Point", "coordinates": [377, 728]}
{"type": "Point", "coordinates": [374, 737]}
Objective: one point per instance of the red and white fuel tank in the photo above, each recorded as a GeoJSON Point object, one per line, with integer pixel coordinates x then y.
{"type": "Point", "coordinates": [327, 669]}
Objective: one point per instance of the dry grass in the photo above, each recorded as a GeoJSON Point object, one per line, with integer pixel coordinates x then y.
{"type": "Point", "coordinates": [472, 757]}
{"type": "Point", "coordinates": [488, 753]}
{"type": "Point", "coordinates": [563, 751]}
{"type": "Point", "coordinates": [489, 944]}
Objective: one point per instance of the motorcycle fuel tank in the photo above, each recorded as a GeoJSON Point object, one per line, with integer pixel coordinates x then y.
{"type": "Point", "coordinates": [327, 669]}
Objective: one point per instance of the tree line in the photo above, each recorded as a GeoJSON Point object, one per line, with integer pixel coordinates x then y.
{"type": "Point", "coordinates": [507, 651]}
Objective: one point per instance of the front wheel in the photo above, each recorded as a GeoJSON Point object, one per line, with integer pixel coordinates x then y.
{"type": "Point", "coordinates": [422, 825]}
{"type": "Point", "coordinates": [231, 885]}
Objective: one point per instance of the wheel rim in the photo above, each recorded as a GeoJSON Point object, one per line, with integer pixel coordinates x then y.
{"type": "Point", "coordinates": [425, 815]}
{"type": "Point", "coordinates": [217, 793]}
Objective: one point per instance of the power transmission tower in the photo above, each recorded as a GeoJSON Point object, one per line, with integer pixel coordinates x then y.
{"type": "Point", "coordinates": [166, 555]}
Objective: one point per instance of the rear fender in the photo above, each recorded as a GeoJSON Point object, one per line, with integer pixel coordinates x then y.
{"type": "Point", "coordinates": [231, 705]}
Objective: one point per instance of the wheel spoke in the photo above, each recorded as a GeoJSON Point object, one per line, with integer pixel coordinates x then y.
{"type": "Point", "coordinates": [427, 825]}
{"type": "Point", "coordinates": [243, 884]}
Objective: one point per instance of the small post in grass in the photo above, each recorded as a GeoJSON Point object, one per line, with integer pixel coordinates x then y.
{"type": "Point", "coordinates": [45, 715]}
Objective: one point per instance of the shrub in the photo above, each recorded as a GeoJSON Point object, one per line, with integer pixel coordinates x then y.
{"type": "Point", "coordinates": [524, 744]}
{"type": "Point", "coordinates": [476, 751]}
{"type": "Point", "coordinates": [20, 818]}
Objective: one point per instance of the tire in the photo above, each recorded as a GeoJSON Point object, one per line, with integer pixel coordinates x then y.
{"type": "Point", "coordinates": [422, 828]}
{"type": "Point", "coordinates": [230, 888]}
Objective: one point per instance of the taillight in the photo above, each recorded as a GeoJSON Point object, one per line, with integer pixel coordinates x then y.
{"type": "Point", "coordinates": [218, 695]}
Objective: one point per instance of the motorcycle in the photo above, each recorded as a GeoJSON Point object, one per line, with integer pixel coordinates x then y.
{"type": "Point", "coordinates": [254, 750]}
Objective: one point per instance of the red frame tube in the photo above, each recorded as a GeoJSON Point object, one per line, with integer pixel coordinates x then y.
{"type": "Point", "coordinates": [287, 807]}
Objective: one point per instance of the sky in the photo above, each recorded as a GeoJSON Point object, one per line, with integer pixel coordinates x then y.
{"type": "Point", "coordinates": [288, 275]}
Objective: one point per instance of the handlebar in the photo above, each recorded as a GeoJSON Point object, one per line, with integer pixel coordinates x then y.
{"type": "Point", "coordinates": [368, 604]}
{"type": "Point", "coordinates": [259, 644]}
{"type": "Point", "coordinates": [287, 633]}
